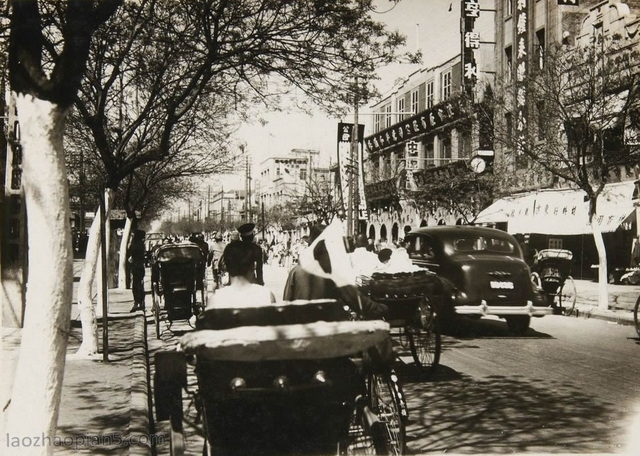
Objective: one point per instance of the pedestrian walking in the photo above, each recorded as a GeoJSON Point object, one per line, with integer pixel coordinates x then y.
{"type": "Point", "coordinates": [135, 259]}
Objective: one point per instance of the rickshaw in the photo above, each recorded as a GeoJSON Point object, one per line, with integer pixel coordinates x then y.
{"type": "Point", "coordinates": [297, 377]}
{"type": "Point", "coordinates": [551, 274]}
{"type": "Point", "coordinates": [408, 296]}
{"type": "Point", "coordinates": [177, 280]}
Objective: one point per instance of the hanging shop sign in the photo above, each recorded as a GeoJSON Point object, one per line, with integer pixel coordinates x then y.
{"type": "Point", "coordinates": [470, 42]}
{"type": "Point", "coordinates": [425, 122]}
{"type": "Point", "coordinates": [521, 59]}
{"type": "Point", "coordinates": [351, 168]}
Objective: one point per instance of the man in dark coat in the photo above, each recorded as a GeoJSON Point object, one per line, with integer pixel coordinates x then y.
{"type": "Point", "coordinates": [247, 234]}
{"type": "Point", "coordinates": [135, 258]}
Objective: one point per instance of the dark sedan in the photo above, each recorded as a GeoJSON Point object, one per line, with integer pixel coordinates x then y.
{"type": "Point", "coordinates": [482, 271]}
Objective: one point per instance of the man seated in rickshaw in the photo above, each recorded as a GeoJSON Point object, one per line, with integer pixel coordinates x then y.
{"type": "Point", "coordinates": [239, 261]}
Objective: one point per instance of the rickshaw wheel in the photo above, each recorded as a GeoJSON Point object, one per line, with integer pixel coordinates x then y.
{"type": "Point", "coordinates": [156, 321]}
{"type": "Point", "coordinates": [357, 441]}
{"type": "Point", "coordinates": [567, 296]}
{"type": "Point", "coordinates": [155, 310]}
{"type": "Point", "coordinates": [636, 317]}
{"type": "Point", "coordinates": [424, 339]}
{"type": "Point", "coordinates": [385, 404]}
{"type": "Point", "coordinates": [536, 280]}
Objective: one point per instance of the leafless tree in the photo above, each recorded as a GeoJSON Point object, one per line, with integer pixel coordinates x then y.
{"type": "Point", "coordinates": [582, 126]}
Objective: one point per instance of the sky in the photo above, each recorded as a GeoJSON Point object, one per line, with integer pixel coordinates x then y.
{"type": "Point", "coordinates": [417, 20]}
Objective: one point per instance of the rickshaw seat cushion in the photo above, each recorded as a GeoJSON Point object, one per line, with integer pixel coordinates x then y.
{"type": "Point", "coordinates": [318, 340]}
{"type": "Point", "coordinates": [279, 313]}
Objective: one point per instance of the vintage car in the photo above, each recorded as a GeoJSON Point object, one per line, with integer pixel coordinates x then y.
{"type": "Point", "coordinates": [482, 273]}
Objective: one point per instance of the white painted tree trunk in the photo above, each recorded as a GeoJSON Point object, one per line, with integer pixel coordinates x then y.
{"type": "Point", "coordinates": [122, 259]}
{"type": "Point", "coordinates": [86, 306]}
{"type": "Point", "coordinates": [603, 273]}
{"type": "Point", "coordinates": [37, 384]}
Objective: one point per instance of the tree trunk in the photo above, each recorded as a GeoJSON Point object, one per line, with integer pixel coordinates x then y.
{"type": "Point", "coordinates": [122, 257]}
{"type": "Point", "coordinates": [88, 316]}
{"type": "Point", "coordinates": [37, 384]}
{"type": "Point", "coordinates": [603, 279]}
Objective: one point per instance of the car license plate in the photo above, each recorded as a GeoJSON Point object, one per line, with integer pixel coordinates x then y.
{"type": "Point", "coordinates": [500, 285]}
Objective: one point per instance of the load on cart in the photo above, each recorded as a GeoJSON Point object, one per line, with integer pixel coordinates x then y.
{"type": "Point", "coordinates": [178, 284]}
{"type": "Point", "coordinates": [409, 297]}
{"type": "Point", "coordinates": [285, 379]}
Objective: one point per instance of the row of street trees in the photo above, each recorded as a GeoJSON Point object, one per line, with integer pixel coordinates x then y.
{"type": "Point", "coordinates": [146, 92]}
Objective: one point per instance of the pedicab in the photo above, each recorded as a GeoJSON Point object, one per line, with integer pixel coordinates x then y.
{"type": "Point", "coordinates": [177, 281]}
{"type": "Point", "coordinates": [297, 377]}
{"type": "Point", "coordinates": [409, 295]}
{"type": "Point", "coordinates": [551, 273]}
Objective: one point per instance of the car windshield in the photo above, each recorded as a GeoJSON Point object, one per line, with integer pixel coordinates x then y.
{"type": "Point", "coordinates": [483, 244]}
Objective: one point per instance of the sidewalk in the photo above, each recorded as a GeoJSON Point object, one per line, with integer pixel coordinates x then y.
{"type": "Point", "coordinates": [105, 406]}
{"type": "Point", "coordinates": [622, 299]}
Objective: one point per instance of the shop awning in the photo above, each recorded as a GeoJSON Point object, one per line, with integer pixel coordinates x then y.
{"type": "Point", "coordinates": [562, 211]}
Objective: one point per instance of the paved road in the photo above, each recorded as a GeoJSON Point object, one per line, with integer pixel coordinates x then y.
{"type": "Point", "coordinates": [569, 386]}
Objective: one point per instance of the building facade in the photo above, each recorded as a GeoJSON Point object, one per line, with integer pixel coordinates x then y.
{"type": "Point", "coordinates": [427, 125]}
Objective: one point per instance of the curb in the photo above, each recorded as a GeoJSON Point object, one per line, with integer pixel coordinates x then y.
{"type": "Point", "coordinates": [139, 421]}
{"type": "Point", "coordinates": [623, 317]}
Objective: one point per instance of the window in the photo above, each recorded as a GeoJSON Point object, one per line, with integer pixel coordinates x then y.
{"type": "Point", "coordinates": [508, 123]}
{"type": "Point", "coordinates": [446, 85]}
{"type": "Point", "coordinates": [400, 103]}
{"type": "Point", "coordinates": [508, 63]}
{"type": "Point", "coordinates": [303, 174]}
{"type": "Point", "coordinates": [387, 117]}
{"type": "Point", "coordinates": [555, 243]}
{"type": "Point", "coordinates": [541, 47]}
{"type": "Point", "coordinates": [414, 101]}
{"type": "Point", "coordinates": [430, 100]}
{"type": "Point", "coordinates": [509, 7]}
{"type": "Point", "coordinates": [377, 120]}
{"type": "Point", "coordinates": [429, 155]}
{"type": "Point", "coordinates": [445, 150]}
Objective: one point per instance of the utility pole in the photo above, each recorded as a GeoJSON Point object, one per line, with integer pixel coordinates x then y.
{"type": "Point", "coordinates": [354, 159]}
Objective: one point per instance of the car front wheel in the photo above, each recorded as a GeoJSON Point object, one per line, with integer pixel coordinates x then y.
{"type": "Point", "coordinates": [518, 324]}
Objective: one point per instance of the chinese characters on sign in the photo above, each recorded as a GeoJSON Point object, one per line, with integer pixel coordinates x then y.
{"type": "Point", "coordinates": [422, 123]}
{"type": "Point", "coordinates": [522, 27]}
{"type": "Point", "coordinates": [351, 169]}
{"type": "Point", "coordinates": [470, 42]}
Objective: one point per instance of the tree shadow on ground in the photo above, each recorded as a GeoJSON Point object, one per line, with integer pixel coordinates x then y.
{"type": "Point", "coordinates": [452, 412]}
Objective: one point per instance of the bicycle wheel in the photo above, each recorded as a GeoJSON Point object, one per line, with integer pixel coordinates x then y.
{"type": "Point", "coordinates": [385, 404]}
{"type": "Point", "coordinates": [636, 317]}
{"type": "Point", "coordinates": [424, 338]}
{"type": "Point", "coordinates": [567, 296]}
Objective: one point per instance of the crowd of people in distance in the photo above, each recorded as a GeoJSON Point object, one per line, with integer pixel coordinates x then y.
{"type": "Point", "coordinates": [240, 257]}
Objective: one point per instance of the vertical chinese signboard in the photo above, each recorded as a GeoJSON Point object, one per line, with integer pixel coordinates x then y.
{"type": "Point", "coordinates": [351, 169]}
{"type": "Point", "coordinates": [521, 50]}
{"type": "Point", "coordinates": [470, 42]}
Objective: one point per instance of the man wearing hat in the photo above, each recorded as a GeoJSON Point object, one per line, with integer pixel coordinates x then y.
{"type": "Point", "coordinates": [247, 234]}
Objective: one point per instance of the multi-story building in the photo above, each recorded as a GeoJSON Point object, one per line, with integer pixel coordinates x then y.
{"type": "Point", "coordinates": [427, 127]}
{"type": "Point", "coordinates": [427, 124]}
{"type": "Point", "coordinates": [548, 211]}
{"type": "Point", "coordinates": [285, 176]}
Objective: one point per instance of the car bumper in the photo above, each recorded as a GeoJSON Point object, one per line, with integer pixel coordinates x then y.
{"type": "Point", "coordinates": [484, 309]}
